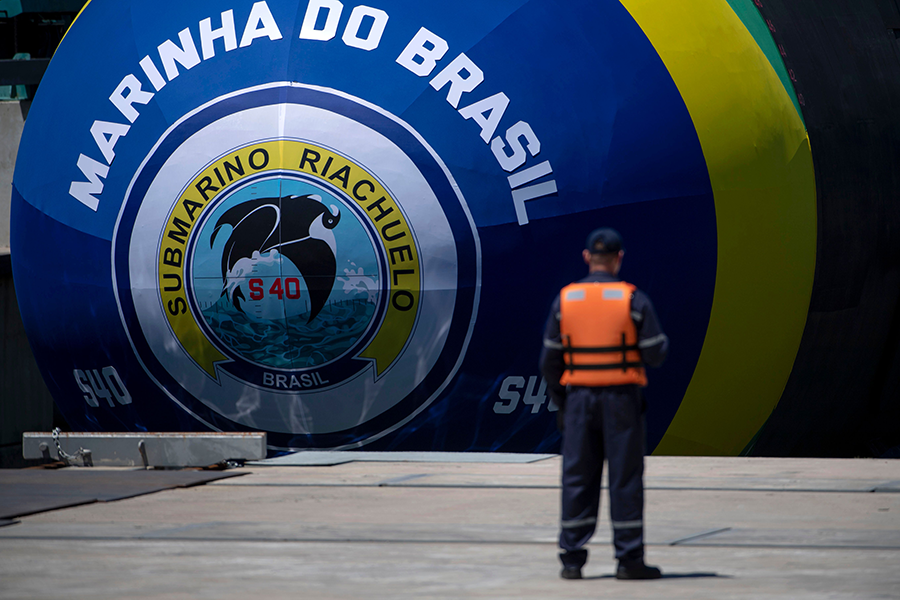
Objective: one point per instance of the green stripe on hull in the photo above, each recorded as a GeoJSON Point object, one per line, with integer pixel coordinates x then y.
{"type": "Point", "coordinates": [747, 12]}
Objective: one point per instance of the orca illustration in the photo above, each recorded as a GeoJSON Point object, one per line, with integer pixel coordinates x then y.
{"type": "Point", "coordinates": [299, 227]}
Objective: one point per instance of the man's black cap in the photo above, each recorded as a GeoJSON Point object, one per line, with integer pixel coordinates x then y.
{"type": "Point", "coordinates": [604, 241]}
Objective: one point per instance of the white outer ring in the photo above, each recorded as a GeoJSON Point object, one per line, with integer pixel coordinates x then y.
{"type": "Point", "coordinates": [298, 414]}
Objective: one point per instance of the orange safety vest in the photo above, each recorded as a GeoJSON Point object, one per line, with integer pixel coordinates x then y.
{"type": "Point", "coordinates": [598, 334]}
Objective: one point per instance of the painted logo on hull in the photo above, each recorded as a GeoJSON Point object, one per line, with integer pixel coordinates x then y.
{"type": "Point", "coordinates": [285, 251]}
{"type": "Point", "coordinates": [244, 219]}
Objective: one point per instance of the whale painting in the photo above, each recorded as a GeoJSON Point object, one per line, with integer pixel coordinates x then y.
{"type": "Point", "coordinates": [299, 227]}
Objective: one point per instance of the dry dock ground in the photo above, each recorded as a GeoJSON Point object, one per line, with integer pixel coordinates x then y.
{"type": "Point", "coordinates": [719, 528]}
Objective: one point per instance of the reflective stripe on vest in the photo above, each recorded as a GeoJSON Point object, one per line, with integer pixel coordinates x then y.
{"type": "Point", "coordinates": [600, 344]}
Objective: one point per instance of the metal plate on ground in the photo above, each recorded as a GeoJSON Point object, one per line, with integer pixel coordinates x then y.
{"type": "Point", "coordinates": [29, 491]}
{"type": "Point", "coordinates": [325, 458]}
{"type": "Point", "coordinates": [890, 487]}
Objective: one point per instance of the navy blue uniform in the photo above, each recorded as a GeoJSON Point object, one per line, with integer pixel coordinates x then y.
{"type": "Point", "coordinates": [602, 422]}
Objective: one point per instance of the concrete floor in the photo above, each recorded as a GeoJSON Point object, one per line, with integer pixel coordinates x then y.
{"type": "Point", "coordinates": [720, 528]}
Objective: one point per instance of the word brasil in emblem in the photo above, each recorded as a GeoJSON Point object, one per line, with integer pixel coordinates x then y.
{"type": "Point", "coordinates": [249, 268]}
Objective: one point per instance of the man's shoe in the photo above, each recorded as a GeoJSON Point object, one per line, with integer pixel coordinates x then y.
{"type": "Point", "coordinates": [637, 571]}
{"type": "Point", "coordinates": [570, 573]}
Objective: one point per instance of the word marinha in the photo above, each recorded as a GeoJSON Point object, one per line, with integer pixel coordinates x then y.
{"type": "Point", "coordinates": [364, 31]}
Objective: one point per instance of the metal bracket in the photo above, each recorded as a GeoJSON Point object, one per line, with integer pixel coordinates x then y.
{"type": "Point", "coordinates": [142, 448]}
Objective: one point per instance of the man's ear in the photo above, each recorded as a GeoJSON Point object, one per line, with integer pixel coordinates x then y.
{"type": "Point", "coordinates": [619, 262]}
{"type": "Point", "coordinates": [586, 255]}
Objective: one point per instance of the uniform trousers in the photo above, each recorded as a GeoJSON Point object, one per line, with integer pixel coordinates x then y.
{"type": "Point", "coordinates": [602, 423]}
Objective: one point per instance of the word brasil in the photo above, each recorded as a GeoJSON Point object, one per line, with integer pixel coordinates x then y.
{"type": "Point", "coordinates": [364, 31]}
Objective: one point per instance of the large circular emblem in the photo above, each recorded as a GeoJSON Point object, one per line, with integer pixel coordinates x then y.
{"type": "Point", "coordinates": [286, 250]}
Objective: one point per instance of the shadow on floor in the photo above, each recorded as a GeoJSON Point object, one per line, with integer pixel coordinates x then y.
{"type": "Point", "coordinates": [697, 575]}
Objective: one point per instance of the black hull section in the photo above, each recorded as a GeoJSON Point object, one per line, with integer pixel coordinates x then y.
{"type": "Point", "coordinates": [843, 395]}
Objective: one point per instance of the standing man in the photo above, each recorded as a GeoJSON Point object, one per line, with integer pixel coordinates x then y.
{"type": "Point", "coordinates": [600, 333]}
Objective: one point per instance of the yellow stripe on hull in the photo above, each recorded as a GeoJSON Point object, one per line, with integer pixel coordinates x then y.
{"type": "Point", "coordinates": [761, 170]}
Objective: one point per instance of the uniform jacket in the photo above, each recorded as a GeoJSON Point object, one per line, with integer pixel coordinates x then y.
{"type": "Point", "coordinates": [653, 343]}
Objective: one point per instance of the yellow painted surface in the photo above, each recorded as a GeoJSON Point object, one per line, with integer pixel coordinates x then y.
{"type": "Point", "coordinates": [761, 171]}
